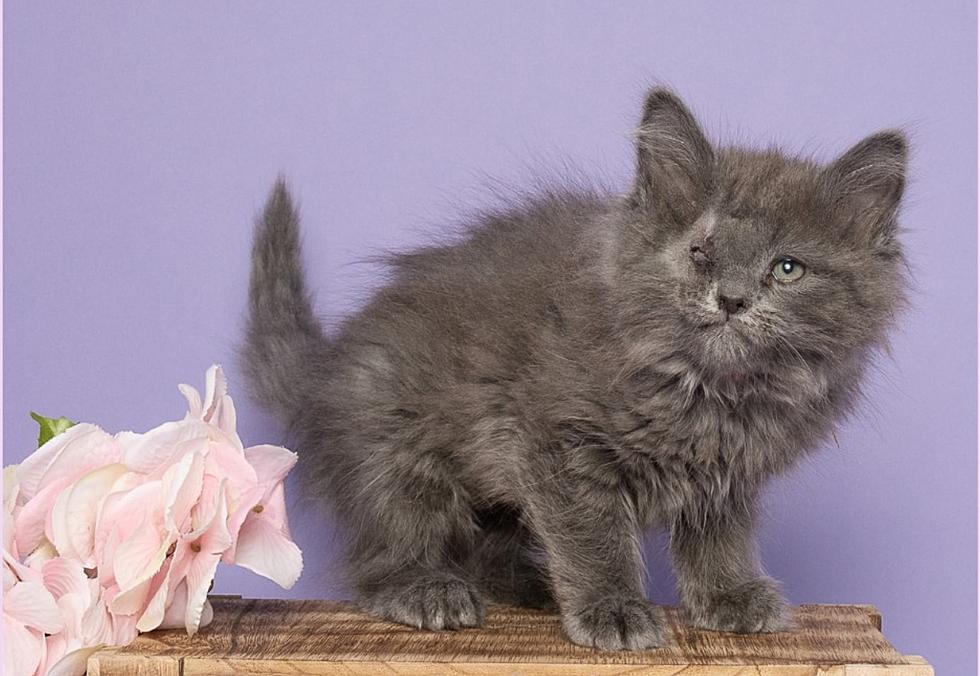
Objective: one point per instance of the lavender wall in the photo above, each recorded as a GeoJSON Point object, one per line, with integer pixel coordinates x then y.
{"type": "Point", "coordinates": [142, 137]}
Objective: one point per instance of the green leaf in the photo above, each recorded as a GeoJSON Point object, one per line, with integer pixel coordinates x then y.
{"type": "Point", "coordinates": [50, 427]}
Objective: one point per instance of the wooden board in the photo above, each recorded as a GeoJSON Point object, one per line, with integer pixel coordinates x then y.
{"type": "Point", "coordinates": [324, 637]}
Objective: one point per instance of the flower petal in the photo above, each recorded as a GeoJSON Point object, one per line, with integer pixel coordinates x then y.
{"type": "Point", "coordinates": [228, 462]}
{"type": "Point", "coordinates": [271, 463]}
{"type": "Point", "coordinates": [97, 624]}
{"type": "Point", "coordinates": [203, 513]}
{"type": "Point", "coordinates": [264, 549]}
{"type": "Point", "coordinates": [159, 591]}
{"type": "Point", "coordinates": [215, 387]}
{"type": "Point", "coordinates": [122, 515]}
{"type": "Point", "coordinates": [15, 571]}
{"type": "Point", "coordinates": [30, 522]}
{"type": "Point", "coordinates": [55, 647]}
{"type": "Point", "coordinates": [45, 552]}
{"type": "Point", "coordinates": [194, 407]}
{"type": "Point", "coordinates": [65, 576]}
{"type": "Point", "coordinates": [182, 484]}
{"type": "Point", "coordinates": [72, 608]}
{"type": "Point", "coordinates": [199, 578]}
{"type": "Point", "coordinates": [105, 554]}
{"type": "Point", "coordinates": [73, 663]}
{"type": "Point", "coordinates": [140, 554]}
{"type": "Point", "coordinates": [219, 409]}
{"type": "Point", "coordinates": [156, 449]}
{"type": "Point", "coordinates": [132, 600]}
{"type": "Point", "coordinates": [274, 509]}
{"type": "Point", "coordinates": [207, 614]}
{"type": "Point", "coordinates": [23, 648]}
{"type": "Point", "coordinates": [173, 618]}
{"type": "Point", "coordinates": [30, 471]}
{"type": "Point", "coordinates": [69, 454]}
{"type": "Point", "coordinates": [73, 515]}
{"type": "Point", "coordinates": [246, 504]}
{"type": "Point", "coordinates": [139, 557]}
{"type": "Point", "coordinates": [123, 629]}
{"type": "Point", "coordinates": [32, 604]}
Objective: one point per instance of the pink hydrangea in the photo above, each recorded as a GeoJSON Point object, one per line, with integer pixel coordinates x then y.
{"type": "Point", "coordinates": [108, 535]}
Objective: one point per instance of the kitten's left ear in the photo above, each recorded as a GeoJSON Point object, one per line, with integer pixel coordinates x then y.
{"type": "Point", "coordinates": [866, 184]}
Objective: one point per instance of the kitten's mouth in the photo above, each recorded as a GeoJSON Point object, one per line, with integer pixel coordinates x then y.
{"type": "Point", "coordinates": [733, 324]}
{"type": "Point", "coordinates": [725, 332]}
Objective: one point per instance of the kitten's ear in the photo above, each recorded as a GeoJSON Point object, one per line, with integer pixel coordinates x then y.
{"type": "Point", "coordinates": [866, 184]}
{"type": "Point", "coordinates": [674, 160]}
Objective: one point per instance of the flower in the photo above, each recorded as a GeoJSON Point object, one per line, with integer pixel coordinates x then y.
{"type": "Point", "coordinates": [264, 544]}
{"type": "Point", "coordinates": [109, 535]}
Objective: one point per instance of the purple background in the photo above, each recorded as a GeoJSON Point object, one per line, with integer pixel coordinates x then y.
{"type": "Point", "coordinates": [141, 140]}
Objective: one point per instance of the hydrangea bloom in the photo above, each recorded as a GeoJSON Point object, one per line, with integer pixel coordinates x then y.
{"type": "Point", "coordinates": [108, 535]}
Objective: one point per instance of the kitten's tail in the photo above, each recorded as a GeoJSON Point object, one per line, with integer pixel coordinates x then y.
{"type": "Point", "coordinates": [282, 336]}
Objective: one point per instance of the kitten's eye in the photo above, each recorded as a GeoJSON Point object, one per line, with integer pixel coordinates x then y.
{"type": "Point", "coordinates": [787, 270]}
{"type": "Point", "coordinates": [698, 255]}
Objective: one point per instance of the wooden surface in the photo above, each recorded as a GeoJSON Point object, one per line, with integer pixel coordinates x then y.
{"type": "Point", "coordinates": [322, 637]}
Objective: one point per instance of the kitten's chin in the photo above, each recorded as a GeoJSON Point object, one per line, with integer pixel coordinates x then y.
{"type": "Point", "coordinates": [727, 353]}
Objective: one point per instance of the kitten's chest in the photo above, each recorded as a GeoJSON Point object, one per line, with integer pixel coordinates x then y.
{"type": "Point", "coordinates": [702, 455]}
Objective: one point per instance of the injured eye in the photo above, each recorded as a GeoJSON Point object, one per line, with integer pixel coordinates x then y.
{"type": "Point", "coordinates": [700, 256]}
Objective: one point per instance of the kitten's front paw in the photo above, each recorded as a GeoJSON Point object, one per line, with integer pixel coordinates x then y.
{"type": "Point", "coordinates": [434, 601]}
{"type": "Point", "coordinates": [753, 607]}
{"type": "Point", "coordinates": [614, 623]}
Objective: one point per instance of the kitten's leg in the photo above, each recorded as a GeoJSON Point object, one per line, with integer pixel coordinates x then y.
{"type": "Point", "coordinates": [595, 563]}
{"type": "Point", "coordinates": [506, 563]}
{"type": "Point", "coordinates": [422, 597]}
{"type": "Point", "coordinates": [721, 581]}
{"type": "Point", "coordinates": [413, 532]}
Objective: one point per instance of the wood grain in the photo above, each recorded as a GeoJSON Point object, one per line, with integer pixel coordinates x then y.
{"type": "Point", "coordinates": [323, 637]}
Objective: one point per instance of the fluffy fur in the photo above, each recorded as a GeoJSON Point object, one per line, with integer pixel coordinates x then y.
{"type": "Point", "coordinates": [506, 417]}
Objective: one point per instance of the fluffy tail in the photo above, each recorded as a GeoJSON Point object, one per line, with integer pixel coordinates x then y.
{"type": "Point", "coordinates": [282, 336]}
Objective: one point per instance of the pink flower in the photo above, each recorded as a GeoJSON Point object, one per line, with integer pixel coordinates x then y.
{"type": "Point", "coordinates": [54, 617]}
{"type": "Point", "coordinates": [264, 544]}
{"type": "Point", "coordinates": [191, 568]}
{"type": "Point", "coordinates": [88, 623]}
{"type": "Point", "coordinates": [105, 536]}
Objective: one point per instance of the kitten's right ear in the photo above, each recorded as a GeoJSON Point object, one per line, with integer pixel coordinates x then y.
{"type": "Point", "coordinates": [674, 160]}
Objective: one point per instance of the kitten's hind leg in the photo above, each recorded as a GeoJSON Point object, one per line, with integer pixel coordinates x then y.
{"type": "Point", "coordinates": [424, 598]}
{"type": "Point", "coordinates": [508, 564]}
{"type": "Point", "coordinates": [414, 532]}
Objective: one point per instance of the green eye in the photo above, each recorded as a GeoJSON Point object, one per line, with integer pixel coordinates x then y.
{"type": "Point", "coordinates": [787, 270]}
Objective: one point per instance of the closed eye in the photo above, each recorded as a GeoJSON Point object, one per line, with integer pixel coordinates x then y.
{"type": "Point", "coordinates": [699, 255]}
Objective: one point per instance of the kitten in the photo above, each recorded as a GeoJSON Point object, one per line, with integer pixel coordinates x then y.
{"type": "Point", "coordinates": [506, 417]}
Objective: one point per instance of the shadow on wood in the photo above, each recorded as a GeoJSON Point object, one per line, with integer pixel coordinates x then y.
{"type": "Point", "coordinates": [266, 636]}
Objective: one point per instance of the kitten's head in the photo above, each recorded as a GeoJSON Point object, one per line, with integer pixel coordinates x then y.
{"type": "Point", "coordinates": [743, 262]}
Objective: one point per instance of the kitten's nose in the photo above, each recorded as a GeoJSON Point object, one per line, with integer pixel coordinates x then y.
{"type": "Point", "coordinates": [732, 305]}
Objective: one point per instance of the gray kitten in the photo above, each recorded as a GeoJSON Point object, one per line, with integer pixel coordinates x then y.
{"type": "Point", "coordinates": [509, 414]}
